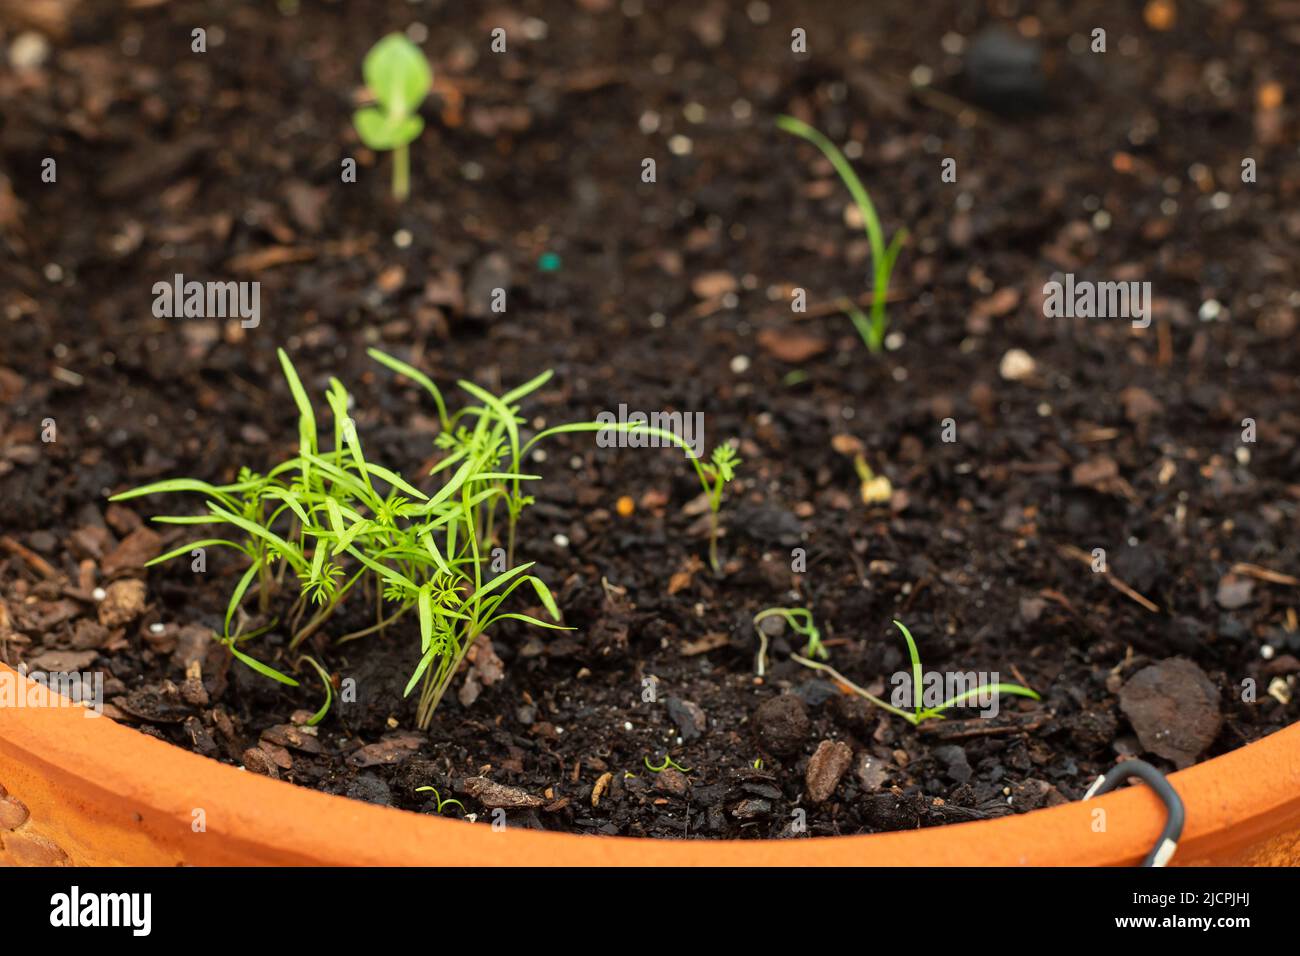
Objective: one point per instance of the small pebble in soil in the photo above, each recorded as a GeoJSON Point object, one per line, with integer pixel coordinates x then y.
{"type": "Point", "coordinates": [671, 781]}
{"type": "Point", "coordinates": [1280, 690]}
{"type": "Point", "coordinates": [752, 809]}
{"type": "Point", "coordinates": [29, 50]}
{"type": "Point", "coordinates": [872, 772]}
{"type": "Point", "coordinates": [781, 724]}
{"type": "Point", "coordinates": [827, 765]}
{"type": "Point", "coordinates": [1004, 71]}
{"type": "Point", "coordinates": [688, 716]}
{"type": "Point", "coordinates": [122, 603]}
{"type": "Point", "coordinates": [371, 789]}
{"type": "Point", "coordinates": [1174, 708]}
{"type": "Point", "coordinates": [1017, 365]}
{"type": "Point", "coordinates": [955, 764]}
{"type": "Point", "coordinates": [890, 811]}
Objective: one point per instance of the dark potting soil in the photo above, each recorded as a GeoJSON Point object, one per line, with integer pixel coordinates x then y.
{"type": "Point", "coordinates": [676, 294]}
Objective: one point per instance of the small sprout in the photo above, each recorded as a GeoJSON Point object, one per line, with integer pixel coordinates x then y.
{"type": "Point", "coordinates": [871, 330]}
{"type": "Point", "coordinates": [800, 621]}
{"type": "Point", "coordinates": [919, 714]}
{"type": "Point", "coordinates": [317, 717]}
{"type": "Point", "coordinates": [875, 489]}
{"type": "Point", "coordinates": [714, 475]}
{"type": "Point", "coordinates": [441, 802]}
{"type": "Point", "coordinates": [668, 762]}
{"type": "Point", "coordinates": [399, 78]}
{"type": "Point", "coordinates": [758, 763]}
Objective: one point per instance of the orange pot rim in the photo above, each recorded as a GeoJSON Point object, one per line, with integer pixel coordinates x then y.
{"type": "Point", "coordinates": [102, 793]}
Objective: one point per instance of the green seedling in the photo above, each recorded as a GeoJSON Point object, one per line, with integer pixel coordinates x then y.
{"type": "Point", "coordinates": [715, 475]}
{"type": "Point", "coordinates": [668, 762]}
{"type": "Point", "coordinates": [800, 621]}
{"type": "Point", "coordinates": [919, 714]}
{"type": "Point", "coordinates": [871, 330]}
{"type": "Point", "coordinates": [504, 413]}
{"type": "Point", "coordinates": [317, 717]}
{"type": "Point", "coordinates": [439, 801]}
{"type": "Point", "coordinates": [343, 524]}
{"type": "Point", "coordinates": [399, 78]}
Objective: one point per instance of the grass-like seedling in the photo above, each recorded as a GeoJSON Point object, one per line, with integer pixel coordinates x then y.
{"type": "Point", "coordinates": [800, 621]}
{"type": "Point", "coordinates": [441, 803]}
{"type": "Point", "coordinates": [343, 524]}
{"type": "Point", "coordinates": [399, 78]}
{"type": "Point", "coordinates": [322, 515]}
{"type": "Point", "coordinates": [668, 762]}
{"type": "Point", "coordinates": [918, 713]}
{"type": "Point", "coordinates": [317, 717]}
{"type": "Point", "coordinates": [872, 330]}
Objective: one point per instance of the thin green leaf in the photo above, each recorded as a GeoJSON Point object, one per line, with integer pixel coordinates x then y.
{"type": "Point", "coordinates": [264, 669]}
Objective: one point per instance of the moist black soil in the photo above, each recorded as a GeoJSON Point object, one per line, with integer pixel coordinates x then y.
{"type": "Point", "coordinates": [1123, 165]}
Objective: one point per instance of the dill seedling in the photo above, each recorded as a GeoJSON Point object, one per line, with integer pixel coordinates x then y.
{"type": "Point", "coordinates": [337, 524]}
{"type": "Point", "coordinates": [439, 801]}
{"type": "Point", "coordinates": [871, 330]}
{"type": "Point", "coordinates": [324, 516]}
{"type": "Point", "coordinates": [720, 469]}
{"type": "Point", "coordinates": [919, 714]}
{"type": "Point", "coordinates": [317, 717]}
{"type": "Point", "coordinates": [800, 621]}
{"type": "Point", "coordinates": [667, 762]}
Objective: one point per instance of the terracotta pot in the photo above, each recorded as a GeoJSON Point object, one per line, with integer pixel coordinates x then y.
{"type": "Point", "coordinates": [89, 791]}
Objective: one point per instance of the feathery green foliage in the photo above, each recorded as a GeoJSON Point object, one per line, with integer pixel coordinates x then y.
{"type": "Point", "coordinates": [342, 524]}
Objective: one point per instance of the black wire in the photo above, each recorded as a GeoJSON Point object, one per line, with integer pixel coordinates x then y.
{"type": "Point", "coordinates": [1164, 790]}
